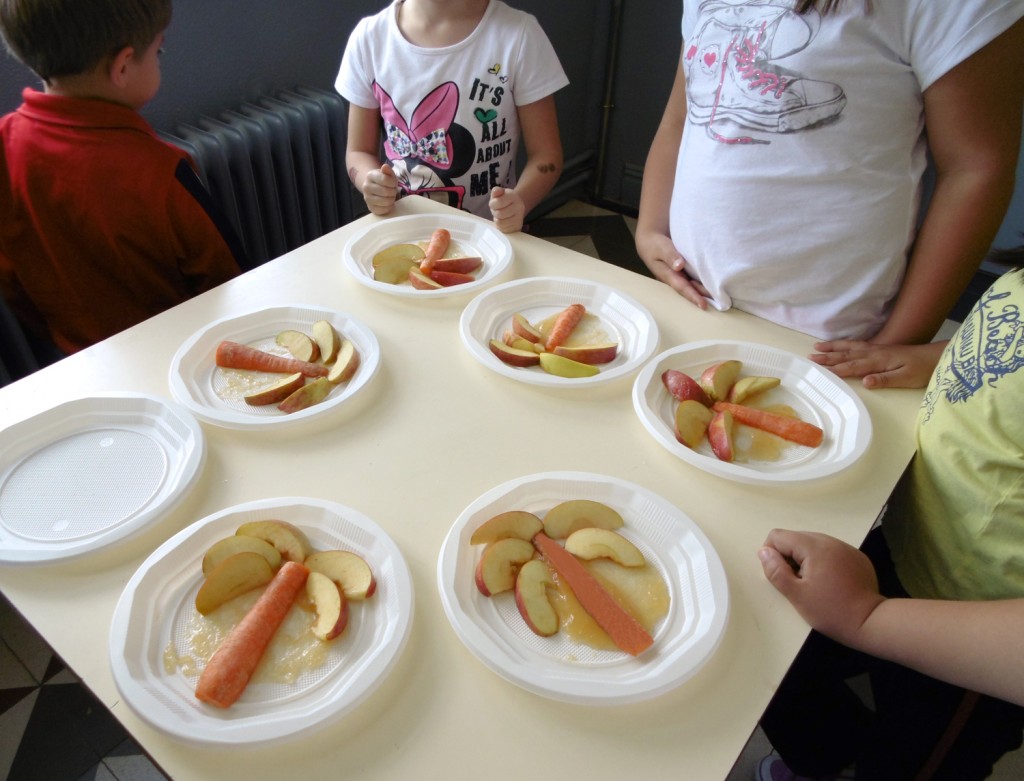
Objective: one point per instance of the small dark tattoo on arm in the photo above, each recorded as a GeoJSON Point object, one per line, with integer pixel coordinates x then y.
{"type": "Point", "coordinates": [546, 168]}
{"type": "Point", "coordinates": [352, 174]}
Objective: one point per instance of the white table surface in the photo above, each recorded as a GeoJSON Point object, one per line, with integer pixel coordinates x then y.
{"type": "Point", "coordinates": [441, 713]}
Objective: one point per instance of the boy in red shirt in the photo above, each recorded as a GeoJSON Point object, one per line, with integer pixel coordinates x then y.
{"type": "Point", "coordinates": [104, 224]}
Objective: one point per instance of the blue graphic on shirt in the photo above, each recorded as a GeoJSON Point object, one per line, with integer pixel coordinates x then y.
{"type": "Point", "coordinates": [988, 346]}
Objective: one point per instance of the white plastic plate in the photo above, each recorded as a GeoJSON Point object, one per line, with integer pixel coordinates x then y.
{"type": "Point", "coordinates": [91, 472]}
{"type": "Point", "coordinates": [624, 320]}
{"type": "Point", "coordinates": [197, 383]}
{"type": "Point", "coordinates": [816, 395]}
{"type": "Point", "coordinates": [557, 667]}
{"type": "Point", "coordinates": [473, 236]}
{"type": "Point", "coordinates": [156, 606]}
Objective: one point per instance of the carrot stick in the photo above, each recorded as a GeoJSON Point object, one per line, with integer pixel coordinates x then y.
{"type": "Point", "coordinates": [228, 672]}
{"type": "Point", "coordinates": [437, 246]}
{"type": "Point", "coordinates": [791, 429]}
{"type": "Point", "coordinates": [566, 321]}
{"type": "Point", "coordinates": [624, 630]}
{"type": "Point", "coordinates": [232, 355]}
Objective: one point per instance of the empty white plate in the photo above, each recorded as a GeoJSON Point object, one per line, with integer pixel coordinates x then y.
{"type": "Point", "coordinates": [90, 472]}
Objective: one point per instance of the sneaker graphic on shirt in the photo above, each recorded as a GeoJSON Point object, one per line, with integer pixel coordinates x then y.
{"type": "Point", "coordinates": [732, 75]}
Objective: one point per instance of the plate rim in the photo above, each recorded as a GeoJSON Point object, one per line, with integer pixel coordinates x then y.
{"type": "Point", "coordinates": [542, 379]}
{"type": "Point", "coordinates": [594, 695]}
{"type": "Point", "coordinates": [245, 732]}
{"type": "Point", "coordinates": [741, 472]}
{"type": "Point", "coordinates": [230, 419]}
{"type": "Point", "coordinates": [190, 469]}
{"type": "Point", "coordinates": [355, 270]}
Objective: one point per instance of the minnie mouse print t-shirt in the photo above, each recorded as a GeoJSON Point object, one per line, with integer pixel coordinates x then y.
{"type": "Point", "coordinates": [449, 114]}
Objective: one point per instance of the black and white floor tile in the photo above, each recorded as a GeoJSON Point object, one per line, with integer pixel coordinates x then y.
{"type": "Point", "coordinates": [53, 729]}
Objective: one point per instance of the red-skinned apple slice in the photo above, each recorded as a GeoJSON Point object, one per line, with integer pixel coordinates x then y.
{"type": "Point", "coordinates": [301, 347]}
{"type": "Point", "coordinates": [683, 387]}
{"type": "Point", "coordinates": [229, 546]}
{"type": "Point", "coordinates": [307, 395]}
{"type": "Point", "coordinates": [346, 363]}
{"type": "Point", "coordinates": [531, 594]}
{"type": "Point", "coordinates": [499, 563]}
{"type": "Point", "coordinates": [692, 419]}
{"type": "Point", "coordinates": [466, 265]}
{"type": "Point", "coordinates": [289, 540]}
{"type": "Point", "coordinates": [450, 278]}
{"type": "Point", "coordinates": [513, 523]}
{"type": "Point", "coordinates": [513, 356]}
{"type": "Point", "coordinates": [349, 570]}
{"type": "Point", "coordinates": [560, 366]}
{"type": "Point", "coordinates": [327, 340]}
{"type": "Point", "coordinates": [720, 436]}
{"type": "Point", "coordinates": [331, 606]}
{"type": "Point", "coordinates": [421, 281]}
{"type": "Point", "coordinates": [589, 353]}
{"type": "Point", "coordinates": [233, 577]}
{"type": "Point", "coordinates": [595, 543]}
{"type": "Point", "coordinates": [574, 514]}
{"type": "Point", "coordinates": [526, 329]}
{"type": "Point", "coordinates": [745, 387]}
{"type": "Point", "coordinates": [277, 392]}
{"type": "Point", "coordinates": [718, 379]}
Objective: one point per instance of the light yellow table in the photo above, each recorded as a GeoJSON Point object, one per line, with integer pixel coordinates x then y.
{"type": "Point", "coordinates": [441, 713]}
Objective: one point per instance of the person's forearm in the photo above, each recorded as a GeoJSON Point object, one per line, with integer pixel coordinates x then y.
{"type": "Point", "coordinates": [965, 213]}
{"type": "Point", "coordinates": [976, 645]}
{"type": "Point", "coordinates": [658, 181]}
{"type": "Point", "coordinates": [538, 177]}
{"type": "Point", "coordinates": [359, 164]}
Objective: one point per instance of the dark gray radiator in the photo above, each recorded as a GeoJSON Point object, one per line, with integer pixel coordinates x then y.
{"type": "Point", "coordinates": [276, 167]}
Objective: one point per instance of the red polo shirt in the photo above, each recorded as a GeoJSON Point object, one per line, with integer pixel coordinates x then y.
{"type": "Point", "coordinates": [102, 224]}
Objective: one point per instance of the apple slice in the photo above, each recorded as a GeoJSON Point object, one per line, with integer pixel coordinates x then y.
{"type": "Point", "coordinates": [345, 364]}
{"type": "Point", "coordinates": [566, 367]}
{"type": "Point", "coordinates": [233, 577]}
{"type": "Point", "coordinates": [512, 339]}
{"type": "Point", "coordinates": [499, 563]}
{"type": "Point", "coordinates": [589, 353]}
{"type": "Point", "coordinates": [595, 543]}
{"type": "Point", "coordinates": [720, 436]}
{"type": "Point", "coordinates": [289, 540]}
{"type": "Point", "coordinates": [398, 252]}
{"type": "Point", "coordinates": [276, 392]}
{"type": "Point", "coordinates": [307, 395]}
{"type": "Point", "coordinates": [229, 546]}
{"type": "Point", "coordinates": [718, 379]}
{"type": "Point", "coordinates": [421, 281]}
{"type": "Point", "coordinates": [745, 387]}
{"type": "Point", "coordinates": [683, 387]}
{"type": "Point", "coordinates": [299, 345]}
{"type": "Point", "coordinates": [692, 419]}
{"type": "Point", "coordinates": [327, 340]}
{"type": "Point", "coordinates": [512, 355]}
{"type": "Point", "coordinates": [526, 329]}
{"type": "Point", "coordinates": [331, 606]}
{"type": "Point", "coordinates": [531, 593]}
{"type": "Point", "coordinates": [349, 570]}
{"type": "Point", "coordinates": [569, 516]}
{"type": "Point", "coordinates": [513, 523]}
{"type": "Point", "coordinates": [464, 265]}
{"type": "Point", "coordinates": [450, 278]}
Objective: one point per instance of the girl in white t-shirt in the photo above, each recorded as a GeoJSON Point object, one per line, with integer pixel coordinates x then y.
{"type": "Point", "coordinates": [785, 177]}
{"type": "Point", "coordinates": [456, 83]}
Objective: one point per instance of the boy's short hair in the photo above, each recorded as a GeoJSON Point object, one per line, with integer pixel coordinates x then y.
{"type": "Point", "coordinates": [58, 38]}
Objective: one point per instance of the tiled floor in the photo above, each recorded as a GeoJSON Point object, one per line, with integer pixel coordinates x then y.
{"type": "Point", "coordinates": [52, 729]}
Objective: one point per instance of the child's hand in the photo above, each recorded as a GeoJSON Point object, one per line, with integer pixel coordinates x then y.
{"type": "Point", "coordinates": [660, 255]}
{"type": "Point", "coordinates": [380, 189]}
{"type": "Point", "coordinates": [831, 584]}
{"type": "Point", "coordinates": [880, 365]}
{"type": "Point", "coordinates": [508, 210]}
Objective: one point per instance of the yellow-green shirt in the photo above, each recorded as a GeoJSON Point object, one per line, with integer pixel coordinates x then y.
{"type": "Point", "coordinates": [956, 522]}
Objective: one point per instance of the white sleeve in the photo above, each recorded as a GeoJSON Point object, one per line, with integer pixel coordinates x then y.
{"type": "Point", "coordinates": [355, 80]}
{"type": "Point", "coordinates": [540, 73]}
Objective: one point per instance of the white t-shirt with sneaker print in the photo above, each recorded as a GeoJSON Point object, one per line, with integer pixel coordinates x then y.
{"type": "Point", "coordinates": [450, 119]}
{"type": "Point", "coordinates": [799, 174]}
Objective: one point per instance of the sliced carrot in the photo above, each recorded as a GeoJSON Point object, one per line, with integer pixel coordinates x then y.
{"type": "Point", "coordinates": [228, 672]}
{"type": "Point", "coordinates": [565, 323]}
{"type": "Point", "coordinates": [624, 630]}
{"type": "Point", "coordinates": [437, 246]}
{"type": "Point", "coordinates": [232, 355]}
{"type": "Point", "coordinates": [791, 429]}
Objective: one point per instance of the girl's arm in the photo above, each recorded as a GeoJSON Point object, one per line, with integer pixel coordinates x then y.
{"type": "Point", "coordinates": [376, 182]}
{"type": "Point", "coordinates": [539, 123]}
{"type": "Point", "coordinates": [833, 586]}
{"type": "Point", "coordinates": [973, 120]}
{"type": "Point", "coordinates": [653, 242]}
